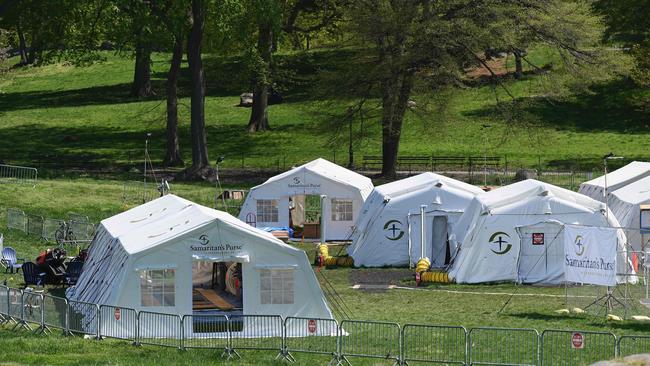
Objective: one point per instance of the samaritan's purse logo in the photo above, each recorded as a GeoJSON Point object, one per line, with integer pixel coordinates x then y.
{"type": "Point", "coordinates": [296, 180]}
{"type": "Point", "coordinates": [203, 239]}
{"type": "Point", "coordinates": [393, 230]}
{"type": "Point", "coordinates": [497, 240]}
{"type": "Point", "coordinates": [580, 247]}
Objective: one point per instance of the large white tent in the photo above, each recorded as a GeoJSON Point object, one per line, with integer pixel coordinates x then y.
{"type": "Point", "coordinates": [147, 259]}
{"type": "Point", "coordinates": [270, 204]}
{"type": "Point", "coordinates": [616, 179]}
{"type": "Point", "coordinates": [626, 204]}
{"type": "Point", "coordinates": [388, 228]}
{"type": "Point", "coordinates": [514, 233]}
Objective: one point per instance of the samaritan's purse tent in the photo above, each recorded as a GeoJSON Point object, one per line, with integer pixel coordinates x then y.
{"type": "Point", "coordinates": [281, 199]}
{"type": "Point", "coordinates": [176, 257]}
{"type": "Point", "coordinates": [514, 233]}
{"type": "Point", "coordinates": [388, 228]}
{"type": "Point", "coordinates": [619, 178]}
{"type": "Point", "coordinates": [631, 206]}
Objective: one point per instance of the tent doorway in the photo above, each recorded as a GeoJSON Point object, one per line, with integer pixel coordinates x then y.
{"type": "Point", "coordinates": [305, 213]}
{"type": "Point", "coordinates": [541, 253]}
{"type": "Point", "coordinates": [217, 287]}
{"type": "Point", "coordinates": [440, 253]}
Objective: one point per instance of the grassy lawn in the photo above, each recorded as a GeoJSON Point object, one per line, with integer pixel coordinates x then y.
{"type": "Point", "coordinates": [64, 116]}
{"type": "Point", "coordinates": [466, 305]}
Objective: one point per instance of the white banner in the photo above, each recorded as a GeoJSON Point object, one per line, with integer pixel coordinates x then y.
{"type": "Point", "coordinates": [590, 255]}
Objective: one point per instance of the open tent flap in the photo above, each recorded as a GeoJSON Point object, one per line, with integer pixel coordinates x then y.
{"type": "Point", "coordinates": [439, 225]}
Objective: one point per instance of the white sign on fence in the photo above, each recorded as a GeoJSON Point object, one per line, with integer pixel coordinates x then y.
{"type": "Point", "coordinates": [590, 255]}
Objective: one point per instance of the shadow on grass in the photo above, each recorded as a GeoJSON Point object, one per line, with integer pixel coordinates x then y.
{"type": "Point", "coordinates": [617, 106]}
{"type": "Point", "coordinates": [542, 316]}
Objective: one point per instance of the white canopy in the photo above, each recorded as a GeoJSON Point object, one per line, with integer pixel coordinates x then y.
{"type": "Point", "coordinates": [269, 203]}
{"type": "Point", "coordinates": [625, 203]}
{"type": "Point", "coordinates": [171, 233]}
{"type": "Point", "coordinates": [388, 228]}
{"type": "Point", "coordinates": [514, 233]}
{"type": "Point", "coordinates": [619, 178]}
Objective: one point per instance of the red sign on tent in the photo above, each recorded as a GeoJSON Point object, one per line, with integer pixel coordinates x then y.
{"type": "Point", "coordinates": [538, 238]}
{"type": "Point", "coordinates": [311, 326]}
{"type": "Point", "coordinates": [117, 313]}
{"type": "Point", "coordinates": [577, 340]}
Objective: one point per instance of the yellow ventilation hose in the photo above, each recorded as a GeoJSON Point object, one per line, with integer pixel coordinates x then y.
{"type": "Point", "coordinates": [327, 260]}
{"type": "Point", "coordinates": [423, 265]}
{"type": "Point", "coordinates": [435, 277]}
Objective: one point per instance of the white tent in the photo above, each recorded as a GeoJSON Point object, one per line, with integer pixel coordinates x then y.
{"type": "Point", "coordinates": [616, 179]}
{"type": "Point", "coordinates": [269, 204]}
{"type": "Point", "coordinates": [514, 233]}
{"type": "Point", "coordinates": [626, 204]}
{"type": "Point", "coordinates": [388, 228]}
{"type": "Point", "coordinates": [151, 258]}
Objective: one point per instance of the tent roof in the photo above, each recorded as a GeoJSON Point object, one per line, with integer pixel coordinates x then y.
{"type": "Point", "coordinates": [424, 180]}
{"type": "Point", "coordinates": [331, 171]}
{"type": "Point", "coordinates": [636, 192]}
{"type": "Point", "coordinates": [623, 176]}
{"type": "Point", "coordinates": [519, 191]}
{"type": "Point", "coordinates": [175, 221]}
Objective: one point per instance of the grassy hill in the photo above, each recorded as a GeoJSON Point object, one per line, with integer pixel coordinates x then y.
{"type": "Point", "coordinates": [64, 116]}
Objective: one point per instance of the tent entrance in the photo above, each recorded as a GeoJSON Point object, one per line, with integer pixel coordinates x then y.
{"type": "Point", "coordinates": [217, 287]}
{"type": "Point", "coordinates": [440, 251]}
{"type": "Point", "coordinates": [305, 214]}
{"type": "Point", "coordinates": [541, 253]}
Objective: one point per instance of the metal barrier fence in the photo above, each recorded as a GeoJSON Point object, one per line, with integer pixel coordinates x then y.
{"type": "Point", "coordinates": [159, 329]}
{"type": "Point", "coordinates": [18, 174]}
{"type": "Point", "coordinates": [503, 346]}
{"type": "Point", "coordinates": [633, 344]}
{"type": "Point", "coordinates": [118, 322]}
{"type": "Point", "coordinates": [35, 225]}
{"type": "Point", "coordinates": [206, 331]}
{"type": "Point", "coordinates": [76, 228]}
{"type": "Point", "coordinates": [33, 310]}
{"type": "Point", "coordinates": [565, 347]}
{"type": "Point", "coordinates": [369, 339]}
{"type": "Point", "coordinates": [434, 343]}
{"type": "Point", "coordinates": [16, 219]}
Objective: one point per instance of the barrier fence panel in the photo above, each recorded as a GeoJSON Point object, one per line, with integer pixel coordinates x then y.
{"type": "Point", "coordinates": [116, 322]}
{"type": "Point", "coordinates": [309, 335]}
{"type": "Point", "coordinates": [256, 332]}
{"type": "Point", "coordinates": [4, 303]}
{"type": "Point", "coordinates": [566, 347]}
{"type": "Point", "coordinates": [18, 174]}
{"type": "Point", "coordinates": [32, 307]}
{"type": "Point", "coordinates": [633, 344]}
{"type": "Point", "coordinates": [35, 225]}
{"type": "Point", "coordinates": [50, 228]}
{"type": "Point", "coordinates": [15, 303]}
{"type": "Point", "coordinates": [159, 329]}
{"type": "Point", "coordinates": [16, 219]}
{"type": "Point", "coordinates": [369, 339]}
{"type": "Point", "coordinates": [435, 344]}
{"type": "Point", "coordinates": [55, 310]}
{"type": "Point", "coordinates": [503, 346]}
{"type": "Point", "coordinates": [81, 230]}
{"type": "Point", "coordinates": [205, 331]}
{"type": "Point", "coordinates": [83, 317]}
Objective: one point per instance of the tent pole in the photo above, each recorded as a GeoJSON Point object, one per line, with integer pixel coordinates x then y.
{"type": "Point", "coordinates": [422, 231]}
{"type": "Point", "coordinates": [323, 218]}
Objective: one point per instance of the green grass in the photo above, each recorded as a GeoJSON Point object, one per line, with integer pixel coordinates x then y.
{"type": "Point", "coordinates": [66, 117]}
{"type": "Point", "coordinates": [466, 305]}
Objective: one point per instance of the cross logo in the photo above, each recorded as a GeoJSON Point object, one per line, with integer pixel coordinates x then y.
{"type": "Point", "coordinates": [203, 239]}
{"type": "Point", "coordinates": [394, 230]}
{"type": "Point", "coordinates": [296, 180]}
{"type": "Point", "coordinates": [580, 247]}
{"type": "Point", "coordinates": [501, 239]}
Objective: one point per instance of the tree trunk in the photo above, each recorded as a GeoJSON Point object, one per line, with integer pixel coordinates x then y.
{"type": "Point", "coordinates": [22, 44]}
{"type": "Point", "coordinates": [396, 91]}
{"type": "Point", "coordinates": [519, 70]}
{"type": "Point", "coordinates": [142, 76]}
{"type": "Point", "coordinates": [200, 162]}
{"type": "Point", "coordinates": [259, 120]}
{"type": "Point", "coordinates": [173, 155]}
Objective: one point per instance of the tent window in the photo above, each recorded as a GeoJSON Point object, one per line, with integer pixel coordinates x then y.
{"type": "Point", "coordinates": [276, 286]}
{"type": "Point", "coordinates": [341, 210]}
{"type": "Point", "coordinates": [267, 210]}
{"type": "Point", "coordinates": [157, 287]}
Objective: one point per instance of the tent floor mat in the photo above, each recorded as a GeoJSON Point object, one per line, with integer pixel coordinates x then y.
{"type": "Point", "coordinates": [212, 300]}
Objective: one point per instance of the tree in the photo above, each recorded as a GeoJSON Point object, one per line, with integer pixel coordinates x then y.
{"type": "Point", "coordinates": [434, 41]}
